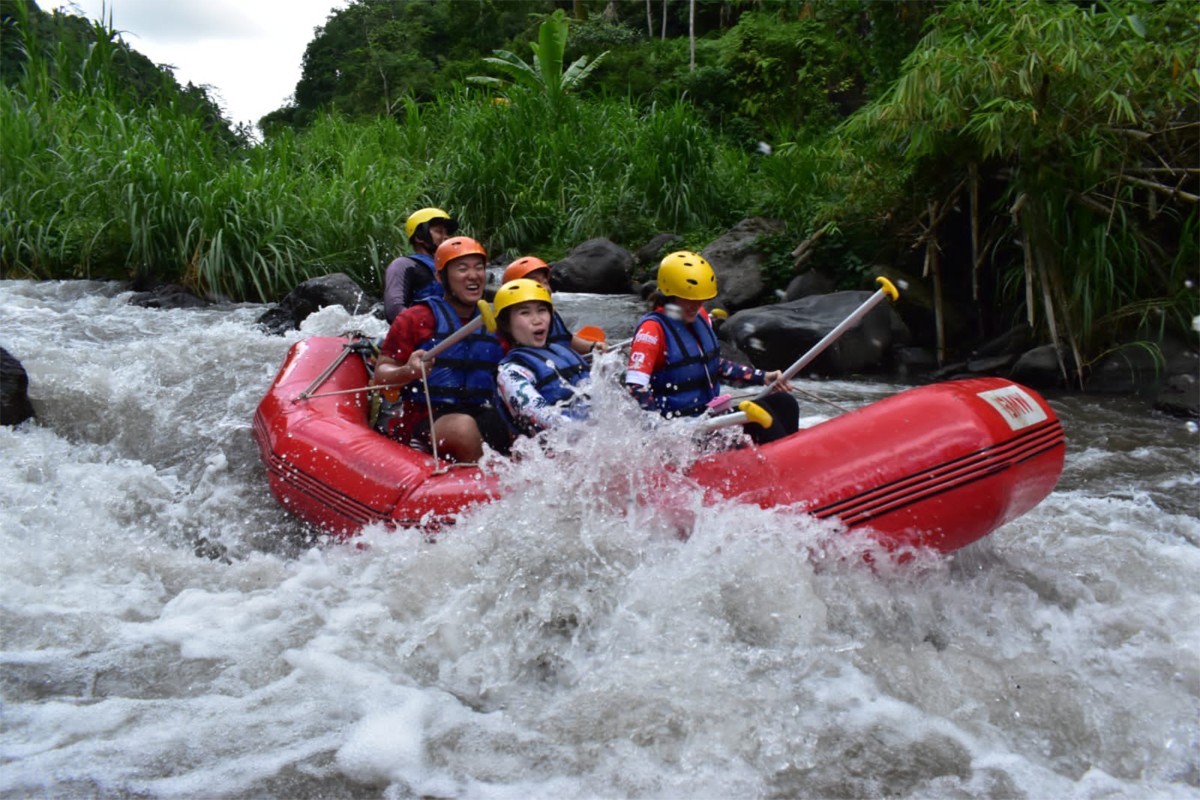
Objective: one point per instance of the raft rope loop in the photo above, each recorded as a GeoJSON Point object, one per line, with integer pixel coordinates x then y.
{"type": "Point", "coordinates": [353, 346]}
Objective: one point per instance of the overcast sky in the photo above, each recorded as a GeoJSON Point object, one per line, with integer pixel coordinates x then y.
{"type": "Point", "coordinates": [248, 51]}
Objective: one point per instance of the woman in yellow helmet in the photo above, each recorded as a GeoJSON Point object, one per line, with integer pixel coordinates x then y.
{"type": "Point", "coordinates": [538, 381]}
{"type": "Point", "coordinates": [535, 269]}
{"type": "Point", "coordinates": [675, 366]}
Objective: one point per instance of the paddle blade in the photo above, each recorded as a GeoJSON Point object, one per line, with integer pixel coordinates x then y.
{"type": "Point", "coordinates": [489, 319]}
{"type": "Point", "coordinates": [591, 333]}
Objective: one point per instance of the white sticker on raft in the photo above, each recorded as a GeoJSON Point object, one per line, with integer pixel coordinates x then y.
{"type": "Point", "coordinates": [1016, 406]}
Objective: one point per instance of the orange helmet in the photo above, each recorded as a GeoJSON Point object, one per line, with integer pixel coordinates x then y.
{"type": "Point", "coordinates": [522, 267]}
{"type": "Point", "coordinates": [456, 247]}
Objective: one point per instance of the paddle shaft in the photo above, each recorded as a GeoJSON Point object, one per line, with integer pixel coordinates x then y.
{"type": "Point", "coordinates": [832, 336]}
{"type": "Point", "coordinates": [750, 412]}
{"type": "Point", "coordinates": [725, 420]}
{"type": "Point", "coordinates": [453, 339]}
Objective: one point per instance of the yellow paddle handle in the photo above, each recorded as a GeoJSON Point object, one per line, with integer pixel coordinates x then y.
{"type": "Point", "coordinates": [489, 317]}
{"type": "Point", "coordinates": [756, 413]}
{"type": "Point", "coordinates": [888, 288]}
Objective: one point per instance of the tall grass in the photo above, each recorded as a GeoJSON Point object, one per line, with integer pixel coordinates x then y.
{"type": "Point", "coordinates": [95, 185]}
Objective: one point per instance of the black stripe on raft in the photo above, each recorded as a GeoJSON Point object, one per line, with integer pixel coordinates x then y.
{"type": "Point", "coordinates": [920, 486]}
{"type": "Point", "coordinates": [303, 483]}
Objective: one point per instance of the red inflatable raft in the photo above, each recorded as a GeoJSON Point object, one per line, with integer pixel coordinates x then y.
{"type": "Point", "coordinates": [937, 466]}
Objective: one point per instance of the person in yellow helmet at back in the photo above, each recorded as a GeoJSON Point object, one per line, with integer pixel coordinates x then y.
{"type": "Point", "coordinates": [675, 366]}
{"type": "Point", "coordinates": [533, 268]}
{"type": "Point", "coordinates": [413, 277]}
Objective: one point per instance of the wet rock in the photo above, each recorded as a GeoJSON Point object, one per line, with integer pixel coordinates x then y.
{"type": "Point", "coordinates": [171, 295]}
{"type": "Point", "coordinates": [334, 289]}
{"type": "Point", "coordinates": [1180, 395]}
{"type": "Point", "coordinates": [737, 258]}
{"type": "Point", "coordinates": [808, 283]}
{"type": "Point", "coordinates": [909, 362]}
{"type": "Point", "coordinates": [1039, 368]}
{"type": "Point", "coordinates": [775, 336]}
{"type": "Point", "coordinates": [1141, 367]}
{"type": "Point", "coordinates": [15, 407]}
{"type": "Point", "coordinates": [649, 254]}
{"type": "Point", "coordinates": [598, 266]}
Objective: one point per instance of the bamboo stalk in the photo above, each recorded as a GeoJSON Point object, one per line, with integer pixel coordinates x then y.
{"type": "Point", "coordinates": [974, 177]}
{"type": "Point", "coordinates": [1164, 189]}
{"type": "Point", "coordinates": [933, 266]}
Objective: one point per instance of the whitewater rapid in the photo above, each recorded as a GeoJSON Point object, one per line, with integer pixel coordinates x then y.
{"type": "Point", "coordinates": [167, 631]}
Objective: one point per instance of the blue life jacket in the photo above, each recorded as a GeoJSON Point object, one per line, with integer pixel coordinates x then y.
{"type": "Point", "coordinates": [556, 369]}
{"type": "Point", "coordinates": [423, 282]}
{"type": "Point", "coordinates": [465, 374]}
{"type": "Point", "coordinates": [558, 331]}
{"type": "Point", "coordinates": [689, 379]}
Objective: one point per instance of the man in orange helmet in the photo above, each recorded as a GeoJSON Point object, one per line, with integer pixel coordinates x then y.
{"type": "Point", "coordinates": [461, 381]}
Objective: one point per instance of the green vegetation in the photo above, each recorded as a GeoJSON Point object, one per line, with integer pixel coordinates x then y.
{"type": "Point", "coordinates": [1032, 161]}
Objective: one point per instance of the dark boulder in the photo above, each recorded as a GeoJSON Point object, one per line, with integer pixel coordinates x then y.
{"type": "Point", "coordinates": [170, 295]}
{"type": "Point", "coordinates": [15, 407]}
{"type": "Point", "coordinates": [1040, 368]}
{"type": "Point", "coordinates": [775, 336]}
{"type": "Point", "coordinates": [336, 289]}
{"type": "Point", "coordinates": [737, 259]}
{"type": "Point", "coordinates": [1180, 395]}
{"type": "Point", "coordinates": [1140, 367]}
{"type": "Point", "coordinates": [598, 266]}
{"type": "Point", "coordinates": [808, 283]}
{"type": "Point", "coordinates": [649, 254]}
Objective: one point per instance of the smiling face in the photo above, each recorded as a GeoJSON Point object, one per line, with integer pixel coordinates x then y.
{"type": "Point", "coordinates": [464, 279]}
{"type": "Point", "coordinates": [529, 323]}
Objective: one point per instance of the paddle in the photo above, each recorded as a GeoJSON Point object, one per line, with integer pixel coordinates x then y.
{"type": "Point", "coordinates": [485, 318]}
{"type": "Point", "coordinates": [749, 411]}
{"type": "Point", "coordinates": [886, 289]}
{"type": "Point", "coordinates": [591, 333]}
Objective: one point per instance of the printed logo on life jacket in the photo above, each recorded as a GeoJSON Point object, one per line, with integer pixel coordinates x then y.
{"type": "Point", "coordinates": [1017, 408]}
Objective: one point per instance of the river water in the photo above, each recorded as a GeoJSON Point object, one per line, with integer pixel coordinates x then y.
{"type": "Point", "coordinates": [168, 631]}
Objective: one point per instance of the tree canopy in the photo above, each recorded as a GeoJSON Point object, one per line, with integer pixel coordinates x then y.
{"type": "Point", "coordinates": [1026, 162]}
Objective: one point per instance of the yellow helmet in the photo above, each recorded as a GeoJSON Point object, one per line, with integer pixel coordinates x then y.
{"type": "Point", "coordinates": [687, 275]}
{"type": "Point", "coordinates": [522, 267]}
{"type": "Point", "coordinates": [426, 215]}
{"type": "Point", "coordinates": [456, 247]}
{"type": "Point", "coordinates": [520, 291]}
